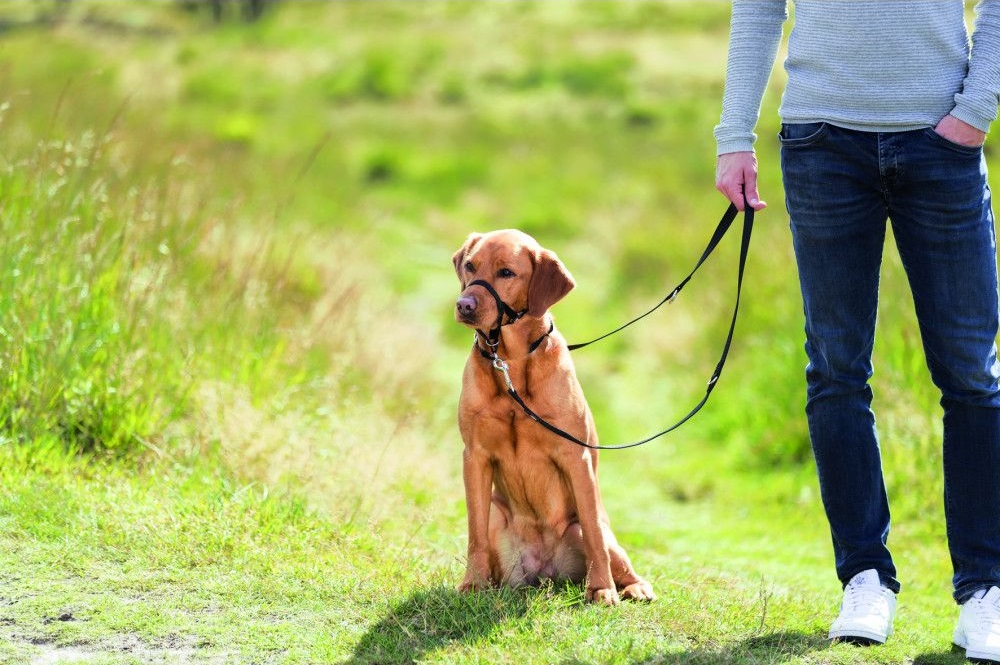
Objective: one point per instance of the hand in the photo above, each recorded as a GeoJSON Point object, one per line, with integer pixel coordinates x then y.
{"type": "Point", "coordinates": [960, 132]}
{"type": "Point", "coordinates": [736, 176]}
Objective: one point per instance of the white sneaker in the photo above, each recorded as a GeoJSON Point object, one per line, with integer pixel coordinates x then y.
{"type": "Point", "coordinates": [866, 612]}
{"type": "Point", "coordinates": [978, 629]}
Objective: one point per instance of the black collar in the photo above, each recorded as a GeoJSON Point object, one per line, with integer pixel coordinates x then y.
{"type": "Point", "coordinates": [490, 355]}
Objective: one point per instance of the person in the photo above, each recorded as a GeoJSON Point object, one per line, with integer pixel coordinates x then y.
{"type": "Point", "coordinates": [884, 115]}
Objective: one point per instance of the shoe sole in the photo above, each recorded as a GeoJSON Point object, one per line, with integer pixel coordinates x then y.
{"type": "Point", "coordinates": [975, 656]}
{"type": "Point", "coordinates": [859, 639]}
{"type": "Point", "coordinates": [981, 659]}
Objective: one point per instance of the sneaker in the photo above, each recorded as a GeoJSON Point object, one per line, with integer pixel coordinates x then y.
{"type": "Point", "coordinates": [978, 629]}
{"type": "Point", "coordinates": [866, 612]}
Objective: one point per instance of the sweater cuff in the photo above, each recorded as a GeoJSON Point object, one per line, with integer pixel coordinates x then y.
{"type": "Point", "coordinates": [734, 145]}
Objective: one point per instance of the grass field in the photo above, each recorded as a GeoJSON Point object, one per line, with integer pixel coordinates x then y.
{"type": "Point", "coordinates": [230, 370]}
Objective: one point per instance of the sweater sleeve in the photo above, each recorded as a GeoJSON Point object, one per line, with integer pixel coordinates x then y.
{"type": "Point", "coordinates": [755, 34]}
{"type": "Point", "coordinates": [977, 103]}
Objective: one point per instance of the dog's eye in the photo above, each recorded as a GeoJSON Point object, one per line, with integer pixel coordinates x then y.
{"type": "Point", "coordinates": [469, 267]}
{"type": "Point", "coordinates": [505, 273]}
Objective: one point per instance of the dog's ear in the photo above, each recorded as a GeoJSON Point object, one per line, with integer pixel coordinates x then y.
{"type": "Point", "coordinates": [550, 281]}
{"type": "Point", "coordinates": [459, 258]}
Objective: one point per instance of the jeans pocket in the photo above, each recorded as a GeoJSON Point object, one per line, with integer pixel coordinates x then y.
{"type": "Point", "coordinates": [802, 134]}
{"type": "Point", "coordinates": [951, 145]}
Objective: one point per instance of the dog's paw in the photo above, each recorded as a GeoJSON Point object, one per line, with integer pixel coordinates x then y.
{"type": "Point", "coordinates": [607, 597]}
{"type": "Point", "coordinates": [641, 590]}
{"type": "Point", "coordinates": [474, 582]}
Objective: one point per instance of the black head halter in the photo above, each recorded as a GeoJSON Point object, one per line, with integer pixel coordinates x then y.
{"type": "Point", "coordinates": [492, 339]}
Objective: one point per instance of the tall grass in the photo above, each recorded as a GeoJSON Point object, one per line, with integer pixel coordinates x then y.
{"type": "Point", "coordinates": [140, 315]}
{"type": "Point", "coordinates": [85, 266]}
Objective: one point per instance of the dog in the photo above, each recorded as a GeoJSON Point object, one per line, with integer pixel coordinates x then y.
{"type": "Point", "coordinates": [533, 501]}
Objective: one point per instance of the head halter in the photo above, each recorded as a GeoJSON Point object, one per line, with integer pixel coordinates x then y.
{"type": "Point", "coordinates": [492, 338]}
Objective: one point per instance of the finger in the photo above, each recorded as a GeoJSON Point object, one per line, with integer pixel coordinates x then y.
{"type": "Point", "coordinates": [752, 195]}
{"type": "Point", "coordinates": [750, 191]}
{"type": "Point", "coordinates": [734, 193]}
{"type": "Point", "coordinates": [731, 186]}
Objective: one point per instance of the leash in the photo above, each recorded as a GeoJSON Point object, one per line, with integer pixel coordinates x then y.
{"type": "Point", "coordinates": [720, 231]}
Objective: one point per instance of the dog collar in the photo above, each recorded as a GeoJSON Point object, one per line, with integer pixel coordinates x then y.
{"type": "Point", "coordinates": [490, 355]}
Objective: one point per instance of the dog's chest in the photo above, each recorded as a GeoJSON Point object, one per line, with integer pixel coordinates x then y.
{"type": "Point", "coordinates": [531, 482]}
{"type": "Point", "coordinates": [505, 431]}
{"type": "Point", "coordinates": [491, 420]}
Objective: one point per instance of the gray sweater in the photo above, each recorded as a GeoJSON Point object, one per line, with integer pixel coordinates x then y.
{"type": "Point", "coordinates": [871, 65]}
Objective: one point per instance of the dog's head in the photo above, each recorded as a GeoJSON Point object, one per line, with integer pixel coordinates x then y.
{"type": "Point", "coordinates": [527, 277]}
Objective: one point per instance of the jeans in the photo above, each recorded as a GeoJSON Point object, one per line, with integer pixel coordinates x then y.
{"type": "Point", "coordinates": [841, 186]}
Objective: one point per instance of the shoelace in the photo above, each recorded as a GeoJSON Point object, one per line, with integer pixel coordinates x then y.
{"type": "Point", "coordinates": [864, 600]}
{"type": "Point", "coordinates": [987, 615]}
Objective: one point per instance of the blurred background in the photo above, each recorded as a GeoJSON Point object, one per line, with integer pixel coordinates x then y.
{"type": "Point", "coordinates": [227, 229]}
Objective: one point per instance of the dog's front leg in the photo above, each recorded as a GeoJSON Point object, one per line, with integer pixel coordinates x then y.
{"type": "Point", "coordinates": [477, 472]}
{"type": "Point", "coordinates": [600, 584]}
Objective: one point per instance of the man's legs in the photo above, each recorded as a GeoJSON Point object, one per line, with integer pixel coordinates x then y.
{"type": "Point", "coordinates": [936, 195]}
{"type": "Point", "coordinates": [944, 230]}
{"type": "Point", "coordinates": [833, 192]}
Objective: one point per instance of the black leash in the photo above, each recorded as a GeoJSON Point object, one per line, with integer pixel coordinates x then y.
{"type": "Point", "coordinates": [720, 231]}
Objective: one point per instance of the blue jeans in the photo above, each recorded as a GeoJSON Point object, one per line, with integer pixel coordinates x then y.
{"type": "Point", "coordinates": [841, 186]}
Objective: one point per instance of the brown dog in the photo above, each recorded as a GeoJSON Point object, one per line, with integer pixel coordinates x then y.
{"type": "Point", "coordinates": [534, 506]}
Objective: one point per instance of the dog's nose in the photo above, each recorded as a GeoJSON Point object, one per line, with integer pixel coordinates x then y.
{"type": "Point", "coordinates": [466, 306]}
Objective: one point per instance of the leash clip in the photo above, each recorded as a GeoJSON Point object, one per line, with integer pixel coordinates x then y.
{"type": "Point", "coordinates": [501, 366]}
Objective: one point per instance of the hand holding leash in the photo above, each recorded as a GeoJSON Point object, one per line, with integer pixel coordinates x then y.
{"type": "Point", "coordinates": [736, 178]}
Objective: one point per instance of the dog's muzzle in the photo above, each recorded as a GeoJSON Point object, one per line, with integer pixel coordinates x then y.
{"type": "Point", "coordinates": [467, 306]}
{"type": "Point", "coordinates": [465, 309]}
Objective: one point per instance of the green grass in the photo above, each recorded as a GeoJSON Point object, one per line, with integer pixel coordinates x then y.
{"type": "Point", "coordinates": [175, 563]}
{"type": "Point", "coordinates": [229, 369]}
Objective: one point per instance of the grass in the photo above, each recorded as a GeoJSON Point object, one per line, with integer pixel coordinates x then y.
{"type": "Point", "coordinates": [230, 371]}
{"type": "Point", "coordinates": [180, 564]}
